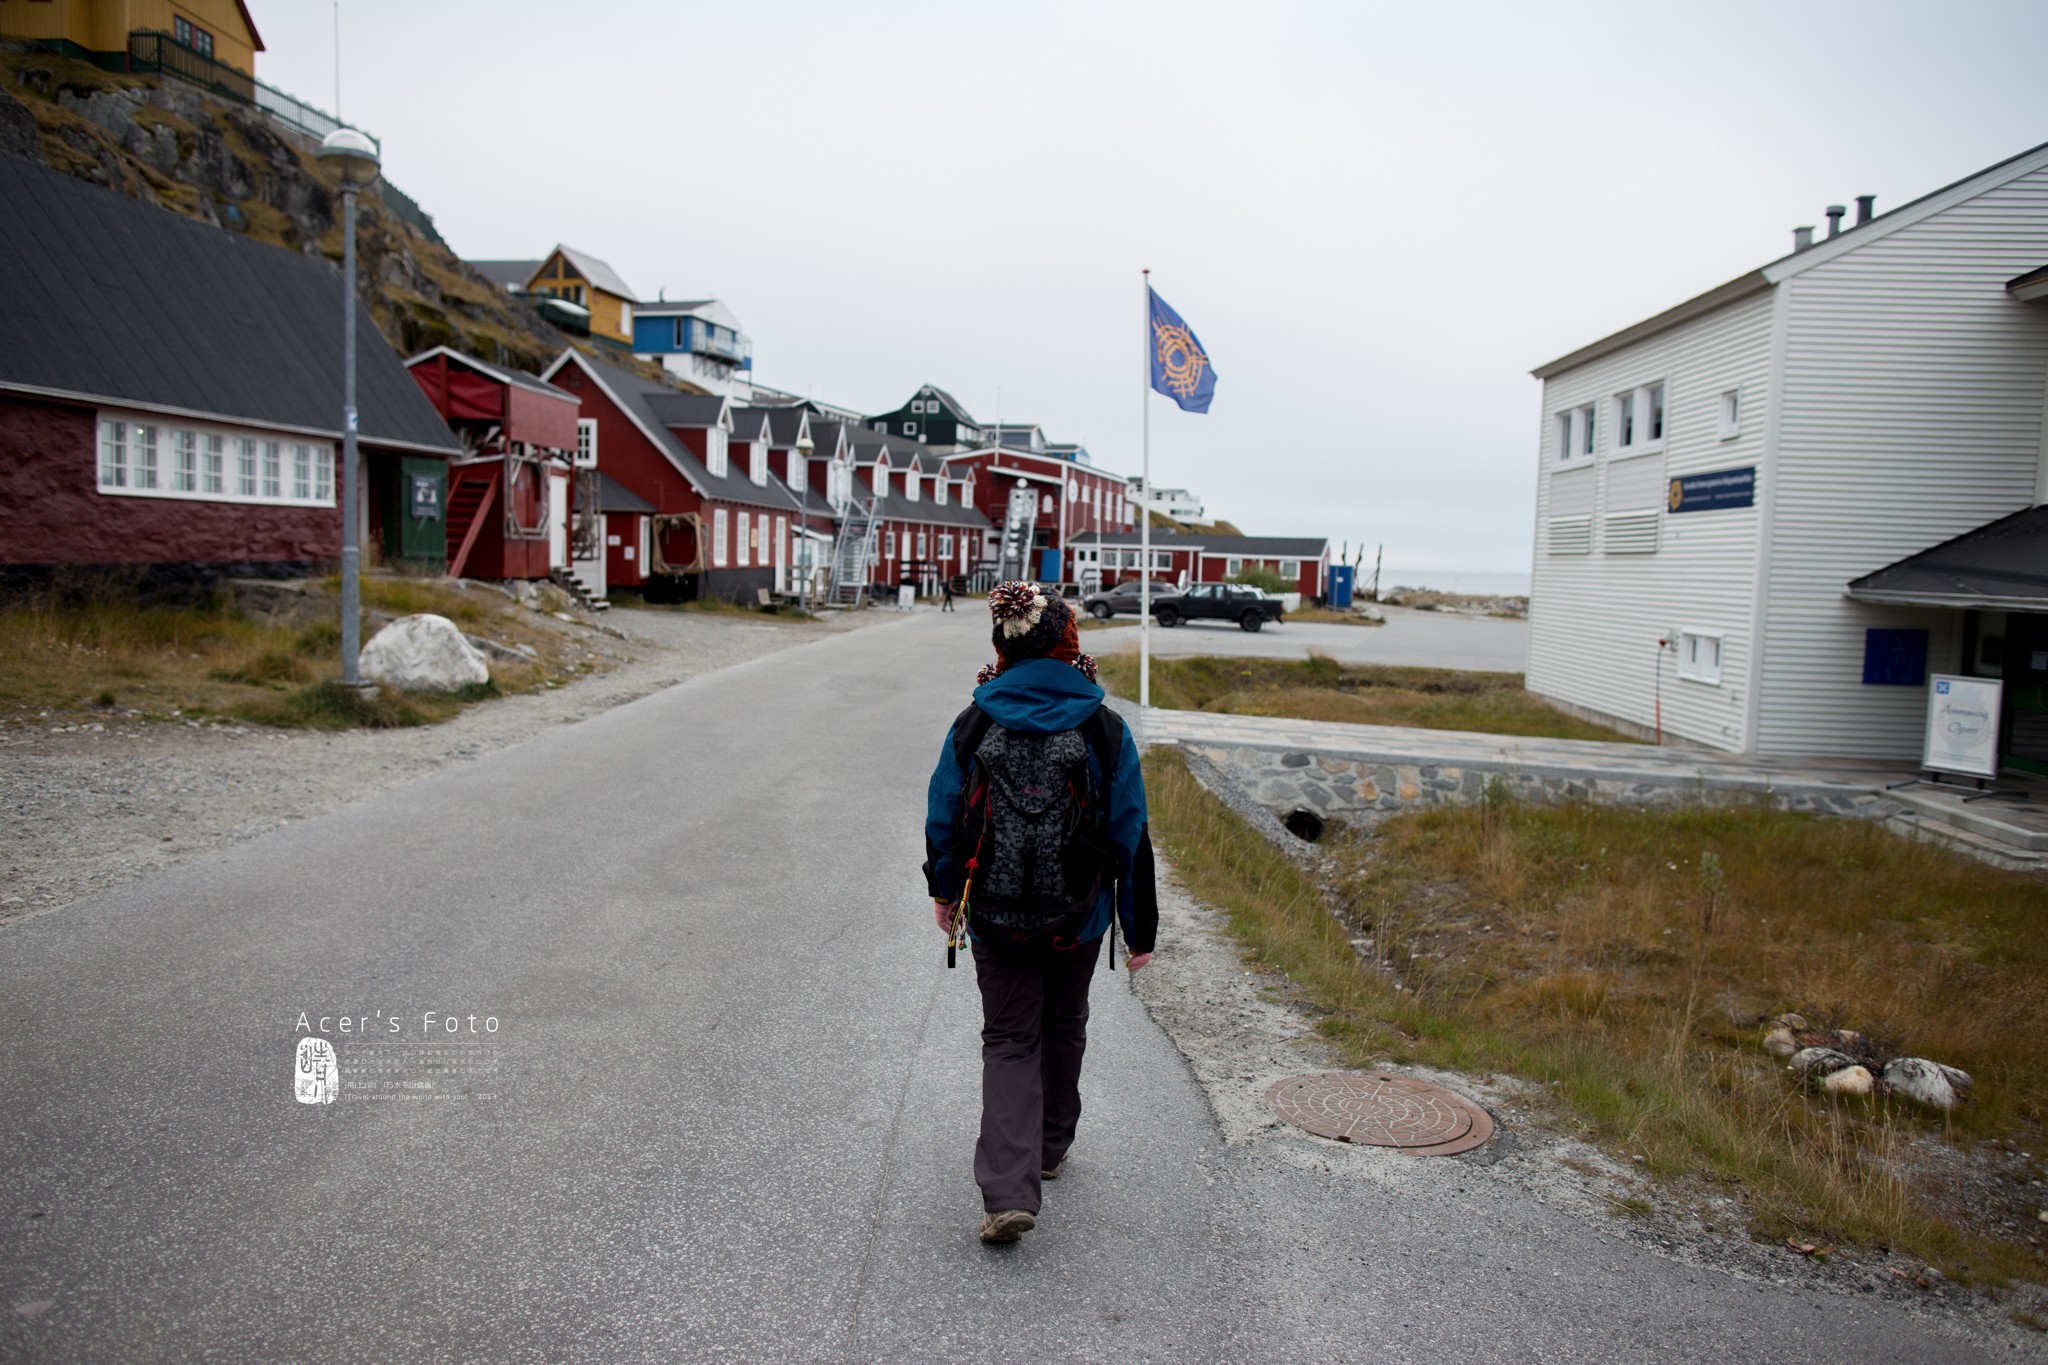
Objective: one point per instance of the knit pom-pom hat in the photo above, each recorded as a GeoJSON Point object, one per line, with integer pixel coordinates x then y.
{"type": "Point", "coordinates": [1032, 624]}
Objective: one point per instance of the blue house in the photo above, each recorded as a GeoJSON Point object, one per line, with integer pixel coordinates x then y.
{"type": "Point", "coordinates": [698, 340]}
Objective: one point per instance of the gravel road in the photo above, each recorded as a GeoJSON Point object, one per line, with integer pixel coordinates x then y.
{"type": "Point", "coordinates": [92, 805]}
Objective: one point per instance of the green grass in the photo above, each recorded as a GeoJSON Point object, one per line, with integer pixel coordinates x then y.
{"type": "Point", "coordinates": [1320, 688]}
{"type": "Point", "coordinates": [1601, 955]}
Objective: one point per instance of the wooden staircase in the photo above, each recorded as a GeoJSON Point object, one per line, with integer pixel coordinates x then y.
{"type": "Point", "coordinates": [472, 491]}
{"type": "Point", "coordinates": [568, 582]}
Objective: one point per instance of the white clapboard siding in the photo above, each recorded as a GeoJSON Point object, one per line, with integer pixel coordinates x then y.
{"type": "Point", "coordinates": [1595, 619]}
{"type": "Point", "coordinates": [1912, 412]}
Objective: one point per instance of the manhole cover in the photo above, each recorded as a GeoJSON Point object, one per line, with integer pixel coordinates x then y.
{"type": "Point", "coordinates": [1379, 1110]}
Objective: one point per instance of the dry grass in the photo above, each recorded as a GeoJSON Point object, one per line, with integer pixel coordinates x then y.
{"type": "Point", "coordinates": [1320, 688]}
{"type": "Point", "coordinates": [87, 645]}
{"type": "Point", "coordinates": [1607, 956]}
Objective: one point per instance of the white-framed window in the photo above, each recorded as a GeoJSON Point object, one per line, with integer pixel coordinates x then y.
{"type": "Point", "coordinates": [715, 456]}
{"type": "Point", "coordinates": [586, 443]}
{"type": "Point", "coordinates": [1162, 560]}
{"type": "Point", "coordinates": [917, 405]}
{"type": "Point", "coordinates": [1729, 424]}
{"type": "Point", "coordinates": [939, 491]}
{"type": "Point", "coordinates": [1290, 569]}
{"type": "Point", "coordinates": [746, 534]}
{"type": "Point", "coordinates": [142, 456]}
{"type": "Point", "coordinates": [718, 538]}
{"type": "Point", "coordinates": [910, 428]}
{"type": "Point", "coordinates": [113, 454]}
{"type": "Point", "coordinates": [1639, 419]}
{"type": "Point", "coordinates": [799, 472]}
{"type": "Point", "coordinates": [945, 545]}
{"type": "Point", "coordinates": [138, 458]}
{"type": "Point", "coordinates": [626, 319]}
{"type": "Point", "coordinates": [1699, 655]}
{"type": "Point", "coordinates": [757, 463]}
{"type": "Point", "coordinates": [1575, 433]}
{"type": "Point", "coordinates": [888, 544]}
{"type": "Point", "coordinates": [910, 483]}
{"type": "Point", "coordinates": [781, 542]}
{"type": "Point", "coordinates": [1233, 567]}
{"type": "Point", "coordinates": [921, 545]}
{"type": "Point", "coordinates": [245, 468]}
{"type": "Point", "coordinates": [880, 480]}
{"type": "Point", "coordinates": [1045, 506]}
{"type": "Point", "coordinates": [184, 461]}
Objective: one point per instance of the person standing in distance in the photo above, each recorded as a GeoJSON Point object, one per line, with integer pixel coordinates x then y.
{"type": "Point", "coordinates": [1037, 847]}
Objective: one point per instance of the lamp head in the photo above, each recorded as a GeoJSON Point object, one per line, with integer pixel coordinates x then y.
{"type": "Point", "coordinates": [805, 445]}
{"type": "Point", "coordinates": [349, 157]}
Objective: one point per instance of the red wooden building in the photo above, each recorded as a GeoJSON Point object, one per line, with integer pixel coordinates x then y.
{"type": "Point", "coordinates": [930, 528]}
{"type": "Point", "coordinates": [1105, 560]}
{"type": "Point", "coordinates": [510, 494]}
{"type": "Point", "coordinates": [1066, 499]}
{"type": "Point", "coordinates": [170, 396]}
{"type": "Point", "coordinates": [715, 523]}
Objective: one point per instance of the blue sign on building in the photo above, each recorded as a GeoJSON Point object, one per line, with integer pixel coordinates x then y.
{"type": "Point", "coordinates": [1894, 658]}
{"type": "Point", "coordinates": [1714, 491]}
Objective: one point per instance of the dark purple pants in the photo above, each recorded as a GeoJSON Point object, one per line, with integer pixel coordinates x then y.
{"type": "Point", "coordinates": [1034, 1010]}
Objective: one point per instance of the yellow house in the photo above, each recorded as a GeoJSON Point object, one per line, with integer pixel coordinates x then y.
{"type": "Point", "coordinates": [580, 278]}
{"type": "Point", "coordinates": [220, 29]}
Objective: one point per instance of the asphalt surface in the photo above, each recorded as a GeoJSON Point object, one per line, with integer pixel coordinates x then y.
{"type": "Point", "coordinates": [737, 1099]}
{"type": "Point", "coordinates": [1427, 639]}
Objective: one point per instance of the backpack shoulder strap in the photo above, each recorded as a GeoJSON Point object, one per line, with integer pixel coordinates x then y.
{"type": "Point", "coordinates": [1104, 732]}
{"type": "Point", "coordinates": [969, 728]}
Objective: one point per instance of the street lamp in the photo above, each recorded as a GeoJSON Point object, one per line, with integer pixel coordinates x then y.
{"type": "Point", "coordinates": [804, 447]}
{"type": "Point", "coordinates": [351, 158]}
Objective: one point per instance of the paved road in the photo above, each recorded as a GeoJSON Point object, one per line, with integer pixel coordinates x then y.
{"type": "Point", "coordinates": [739, 1099]}
{"type": "Point", "coordinates": [1426, 638]}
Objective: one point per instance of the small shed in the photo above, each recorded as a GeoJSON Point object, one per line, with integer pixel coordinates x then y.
{"type": "Point", "coordinates": [512, 497]}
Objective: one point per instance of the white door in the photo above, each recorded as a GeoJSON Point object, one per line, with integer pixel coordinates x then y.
{"type": "Point", "coordinates": [558, 518]}
{"type": "Point", "coordinates": [782, 554]}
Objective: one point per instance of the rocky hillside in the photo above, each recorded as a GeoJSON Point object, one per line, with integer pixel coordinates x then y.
{"type": "Point", "coordinates": [228, 164]}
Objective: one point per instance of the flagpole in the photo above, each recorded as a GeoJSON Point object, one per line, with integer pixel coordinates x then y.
{"type": "Point", "coordinates": [1145, 514]}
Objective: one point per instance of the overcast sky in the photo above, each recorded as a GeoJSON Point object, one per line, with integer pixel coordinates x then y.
{"type": "Point", "coordinates": [1377, 218]}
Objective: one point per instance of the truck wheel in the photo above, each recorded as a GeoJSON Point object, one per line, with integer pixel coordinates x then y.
{"type": "Point", "coordinates": [1168, 617]}
{"type": "Point", "coordinates": [1251, 620]}
{"type": "Point", "coordinates": [1100, 611]}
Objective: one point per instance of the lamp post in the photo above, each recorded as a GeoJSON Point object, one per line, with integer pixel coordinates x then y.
{"type": "Point", "coordinates": [804, 447]}
{"type": "Point", "coordinates": [351, 159]}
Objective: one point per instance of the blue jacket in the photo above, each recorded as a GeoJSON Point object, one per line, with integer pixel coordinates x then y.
{"type": "Point", "coordinates": [1042, 697]}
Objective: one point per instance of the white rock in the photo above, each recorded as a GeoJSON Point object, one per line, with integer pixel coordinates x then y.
{"type": "Point", "coordinates": [1925, 1082]}
{"type": "Point", "coordinates": [424, 653]}
{"type": "Point", "coordinates": [1790, 1021]}
{"type": "Point", "coordinates": [1850, 1080]}
{"type": "Point", "coordinates": [1778, 1042]}
{"type": "Point", "coordinates": [1816, 1062]}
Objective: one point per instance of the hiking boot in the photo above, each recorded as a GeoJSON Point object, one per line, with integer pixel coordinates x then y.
{"type": "Point", "coordinates": [1053, 1172]}
{"type": "Point", "coordinates": [1007, 1225]}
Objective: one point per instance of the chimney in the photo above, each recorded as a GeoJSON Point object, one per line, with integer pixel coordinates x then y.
{"type": "Point", "coordinates": [1866, 208]}
{"type": "Point", "coordinates": [1835, 212]}
{"type": "Point", "coordinates": [1802, 238]}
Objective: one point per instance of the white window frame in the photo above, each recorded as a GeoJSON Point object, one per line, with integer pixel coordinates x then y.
{"type": "Point", "coordinates": [910, 428]}
{"type": "Point", "coordinates": [799, 472]}
{"type": "Point", "coordinates": [719, 546]}
{"type": "Point", "coordinates": [1728, 424]}
{"type": "Point", "coordinates": [879, 481]}
{"type": "Point", "coordinates": [716, 456]}
{"type": "Point", "coordinates": [757, 463]}
{"type": "Point", "coordinates": [139, 457]}
{"type": "Point", "coordinates": [302, 472]}
{"type": "Point", "coordinates": [1232, 567]}
{"type": "Point", "coordinates": [586, 443]}
{"type": "Point", "coordinates": [1696, 664]}
{"type": "Point", "coordinates": [917, 405]}
{"type": "Point", "coordinates": [945, 546]}
{"type": "Point", "coordinates": [746, 531]}
{"type": "Point", "coordinates": [1290, 569]}
{"type": "Point", "coordinates": [1637, 402]}
{"type": "Point", "coordinates": [910, 482]}
{"type": "Point", "coordinates": [921, 545]}
{"type": "Point", "coordinates": [939, 492]}
{"type": "Point", "coordinates": [888, 544]}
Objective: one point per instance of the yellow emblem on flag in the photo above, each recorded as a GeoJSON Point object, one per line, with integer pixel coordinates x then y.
{"type": "Point", "coordinates": [1181, 360]}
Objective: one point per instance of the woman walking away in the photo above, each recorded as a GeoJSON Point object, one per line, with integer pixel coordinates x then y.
{"type": "Point", "coordinates": [1037, 847]}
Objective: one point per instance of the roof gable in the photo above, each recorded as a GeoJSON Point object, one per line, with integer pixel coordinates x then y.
{"type": "Point", "coordinates": [597, 274]}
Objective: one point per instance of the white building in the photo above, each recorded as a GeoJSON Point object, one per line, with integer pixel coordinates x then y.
{"type": "Point", "coordinates": [1719, 475]}
{"type": "Point", "coordinates": [1178, 503]}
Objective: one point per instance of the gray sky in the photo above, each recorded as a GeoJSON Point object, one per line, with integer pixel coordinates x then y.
{"type": "Point", "coordinates": [1377, 218]}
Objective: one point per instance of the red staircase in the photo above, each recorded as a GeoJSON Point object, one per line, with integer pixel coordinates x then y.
{"type": "Point", "coordinates": [472, 489]}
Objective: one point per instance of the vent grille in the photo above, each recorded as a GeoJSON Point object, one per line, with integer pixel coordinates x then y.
{"type": "Point", "coordinates": [1631, 533]}
{"type": "Point", "coordinates": [1571, 535]}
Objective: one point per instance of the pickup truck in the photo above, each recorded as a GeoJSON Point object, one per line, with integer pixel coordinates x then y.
{"type": "Point", "coordinates": [1249, 607]}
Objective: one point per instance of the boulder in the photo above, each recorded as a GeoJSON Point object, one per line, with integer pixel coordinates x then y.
{"type": "Point", "coordinates": [1779, 1042]}
{"type": "Point", "coordinates": [424, 653]}
{"type": "Point", "coordinates": [1791, 1021]}
{"type": "Point", "coordinates": [1850, 1080]}
{"type": "Point", "coordinates": [1816, 1062]}
{"type": "Point", "coordinates": [1925, 1082]}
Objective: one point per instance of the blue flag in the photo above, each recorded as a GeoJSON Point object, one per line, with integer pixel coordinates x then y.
{"type": "Point", "coordinates": [1180, 367]}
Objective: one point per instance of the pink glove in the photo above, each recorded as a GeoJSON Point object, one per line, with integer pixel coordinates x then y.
{"type": "Point", "coordinates": [1133, 964]}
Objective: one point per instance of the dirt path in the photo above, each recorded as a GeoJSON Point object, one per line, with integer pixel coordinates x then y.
{"type": "Point", "coordinates": [91, 805]}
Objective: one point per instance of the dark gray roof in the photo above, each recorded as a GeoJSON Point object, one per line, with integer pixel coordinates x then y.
{"type": "Point", "coordinates": [613, 496]}
{"type": "Point", "coordinates": [506, 274]}
{"type": "Point", "coordinates": [784, 424]}
{"type": "Point", "coordinates": [687, 409]}
{"type": "Point", "coordinates": [896, 507]}
{"type": "Point", "coordinates": [1262, 547]}
{"type": "Point", "coordinates": [2000, 566]}
{"type": "Point", "coordinates": [111, 299]}
{"type": "Point", "coordinates": [643, 399]}
{"type": "Point", "coordinates": [750, 424]}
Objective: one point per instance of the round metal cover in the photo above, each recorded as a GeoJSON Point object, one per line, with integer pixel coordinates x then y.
{"type": "Point", "coordinates": [1380, 1110]}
